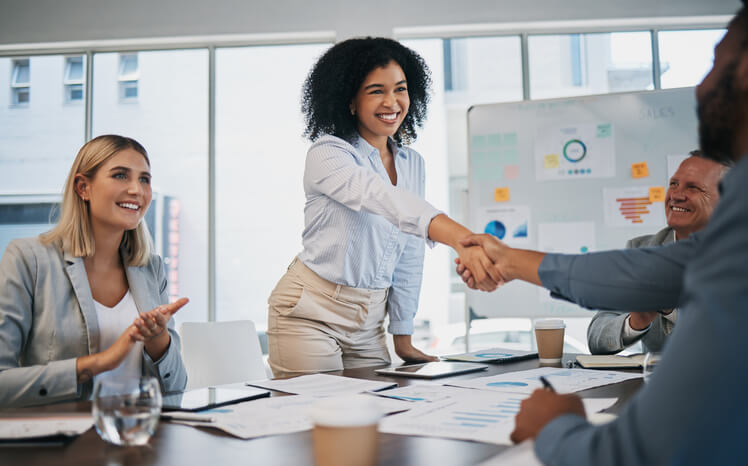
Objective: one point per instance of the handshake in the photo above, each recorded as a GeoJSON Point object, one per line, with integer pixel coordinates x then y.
{"type": "Point", "coordinates": [485, 263]}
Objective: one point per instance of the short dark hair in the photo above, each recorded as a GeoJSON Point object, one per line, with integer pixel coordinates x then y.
{"type": "Point", "coordinates": [337, 76]}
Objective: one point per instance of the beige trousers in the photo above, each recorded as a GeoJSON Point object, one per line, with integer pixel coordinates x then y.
{"type": "Point", "coordinates": [315, 325]}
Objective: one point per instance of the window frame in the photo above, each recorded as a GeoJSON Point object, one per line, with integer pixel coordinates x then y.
{"type": "Point", "coordinates": [72, 84]}
{"type": "Point", "coordinates": [19, 88]}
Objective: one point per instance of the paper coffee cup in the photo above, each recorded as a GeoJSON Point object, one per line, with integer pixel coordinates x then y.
{"type": "Point", "coordinates": [345, 431]}
{"type": "Point", "coordinates": [549, 334]}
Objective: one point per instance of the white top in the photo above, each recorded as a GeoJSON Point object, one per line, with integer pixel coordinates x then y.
{"type": "Point", "coordinates": [630, 335]}
{"type": "Point", "coordinates": [112, 322]}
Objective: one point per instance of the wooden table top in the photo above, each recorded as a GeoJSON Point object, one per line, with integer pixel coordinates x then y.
{"type": "Point", "coordinates": [183, 445]}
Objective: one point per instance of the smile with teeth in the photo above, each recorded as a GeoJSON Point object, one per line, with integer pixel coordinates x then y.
{"type": "Point", "coordinates": [128, 205]}
{"type": "Point", "coordinates": [388, 116]}
{"type": "Point", "coordinates": [678, 209]}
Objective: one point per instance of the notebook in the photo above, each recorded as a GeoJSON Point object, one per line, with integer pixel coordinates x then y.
{"type": "Point", "coordinates": [611, 361]}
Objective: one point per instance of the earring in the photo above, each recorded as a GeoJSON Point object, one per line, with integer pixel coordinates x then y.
{"type": "Point", "coordinates": [353, 111]}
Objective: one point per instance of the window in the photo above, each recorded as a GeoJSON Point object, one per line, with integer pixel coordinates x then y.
{"type": "Point", "coordinates": [20, 82]}
{"type": "Point", "coordinates": [171, 121]}
{"type": "Point", "coordinates": [128, 77]}
{"type": "Point", "coordinates": [580, 64]}
{"type": "Point", "coordinates": [686, 56]}
{"type": "Point", "coordinates": [73, 80]}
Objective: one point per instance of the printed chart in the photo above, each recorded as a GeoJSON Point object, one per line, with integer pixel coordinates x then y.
{"type": "Point", "coordinates": [575, 151]}
{"type": "Point", "coordinates": [631, 206]}
{"type": "Point", "coordinates": [511, 224]}
{"type": "Point", "coordinates": [563, 380]}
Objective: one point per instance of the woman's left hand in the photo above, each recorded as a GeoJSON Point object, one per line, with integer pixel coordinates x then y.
{"type": "Point", "coordinates": [409, 353]}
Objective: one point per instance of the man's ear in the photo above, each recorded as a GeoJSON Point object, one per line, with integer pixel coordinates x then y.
{"type": "Point", "coordinates": [82, 186]}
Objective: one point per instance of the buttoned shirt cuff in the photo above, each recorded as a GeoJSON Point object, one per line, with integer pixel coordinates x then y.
{"type": "Point", "coordinates": [551, 437]}
{"type": "Point", "coordinates": [425, 220]}
{"type": "Point", "coordinates": [629, 335]}
{"type": "Point", "coordinates": [400, 327]}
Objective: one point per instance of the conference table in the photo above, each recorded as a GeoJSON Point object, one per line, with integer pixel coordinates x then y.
{"type": "Point", "coordinates": [175, 444]}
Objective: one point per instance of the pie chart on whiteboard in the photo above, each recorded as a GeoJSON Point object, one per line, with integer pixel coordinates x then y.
{"type": "Point", "coordinates": [495, 228]}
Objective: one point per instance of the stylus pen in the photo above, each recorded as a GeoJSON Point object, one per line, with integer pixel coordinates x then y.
{"type": "Point", "coordinates": [546, 384]}
{"type": "Point", "coordinates": [188, 418]}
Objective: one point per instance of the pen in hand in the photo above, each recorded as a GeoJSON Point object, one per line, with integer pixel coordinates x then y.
{"type": "Point", "coordinates": [546, 384]}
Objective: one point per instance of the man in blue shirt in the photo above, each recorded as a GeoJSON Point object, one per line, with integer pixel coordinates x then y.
{"type": "Point", "coordinates": [694, 409]}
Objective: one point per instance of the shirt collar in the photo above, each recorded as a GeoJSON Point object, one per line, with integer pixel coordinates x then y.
{"type": "Point", "coordinates": [365, 149]}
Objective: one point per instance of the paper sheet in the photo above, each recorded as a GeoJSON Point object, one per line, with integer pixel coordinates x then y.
{"type": "Point", "coordinates": [275, 415]}
{"type": "Point", "coordinates": [43, 426]}
{"type": "Point", "coordinates": [563, 380]}
{"type": "Point", "coordinates": [323, 385]}
{"type": "Point", "coordinates": [510, 223]}
{"type": "Point", "coordinates": [629, 206]}
{"type": "Point", "coordinates": [564, 238]}
{"type": "Point", "coordinates": [426, 393]}
{"type": "Point", "coordinates": [575, 151]}
{"type": "Point", "coordinates": [477, 416]}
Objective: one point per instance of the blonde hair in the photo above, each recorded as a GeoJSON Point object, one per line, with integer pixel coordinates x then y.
{"type": "Point", "coordinates": [73, 232]}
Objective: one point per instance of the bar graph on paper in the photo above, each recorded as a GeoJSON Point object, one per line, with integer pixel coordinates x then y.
{"type": "Point", "coordinates": [631, 206]}
{"type": "Point", "coordinates": [485, 417]}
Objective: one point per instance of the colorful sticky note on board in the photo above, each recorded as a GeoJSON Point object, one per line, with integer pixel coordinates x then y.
{"type": "Point", "coordinates": [640, 170]}
{"type": "Point", "coordinates": [511, 172]}
{"type": "Point", "coordinates": [550, 161]}
{"type": "Point", "coordinates": [501, 194]}
{"type": "Point", "coordinates": [657, 194]}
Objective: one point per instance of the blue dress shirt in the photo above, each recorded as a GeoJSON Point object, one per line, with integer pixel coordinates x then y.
{"type": "Point", "coordinates": [359, 229]}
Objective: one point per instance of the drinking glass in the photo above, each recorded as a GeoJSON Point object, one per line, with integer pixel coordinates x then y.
{"type": "Point", "coordinates": [127, 412]}
{"type": "Point", "coordinates": [650, 362]}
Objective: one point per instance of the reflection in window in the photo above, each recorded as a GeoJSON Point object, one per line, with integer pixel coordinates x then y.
{"type": "Point", "coordinates": [128, 77]}
{"type": "Point", "coordinates": [73, 80]}
{"type": "Point", "coordinates": [686, 56]}
{"type": "Point", "coordinates": [579, 64]}
{"type": "Point", "coordinates": [20, 82]}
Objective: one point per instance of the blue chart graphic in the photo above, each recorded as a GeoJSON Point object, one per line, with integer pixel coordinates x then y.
{"type": "Point", "coordinates": [493, 355]}
{"type": "Point", "coordinates": [507, 384]}
{"type": "Point", "coordinates": [408, 398]}
{"type": "Point", "coordinates": [496, 228]}
{"type": "Point", "coordinates": [574, 150]}
{"type": "Point", "coordinates": [520, 231]}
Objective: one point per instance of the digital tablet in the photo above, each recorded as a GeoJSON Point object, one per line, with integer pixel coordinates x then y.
{"type": "Point", "coordinates": [211, 397]}
{"type": "Point", "coordinates": [432, 370]}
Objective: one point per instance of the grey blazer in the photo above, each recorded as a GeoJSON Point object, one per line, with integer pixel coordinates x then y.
{"type": "Point", "coordinates": [604, 335]}
{"type": "Point", "coordinates": [48, 319]}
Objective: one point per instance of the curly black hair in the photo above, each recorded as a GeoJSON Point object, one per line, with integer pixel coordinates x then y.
{"type": "Point", "coordinates": [337, 76]}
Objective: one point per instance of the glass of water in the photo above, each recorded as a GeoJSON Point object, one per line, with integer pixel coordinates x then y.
{"type": "Point", "coordinates": [126, 412]}
{"type": "Point", "coordinates": [650, 363]}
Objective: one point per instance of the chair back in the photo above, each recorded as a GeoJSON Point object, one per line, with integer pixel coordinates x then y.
{"type": "Point", "coordinates": [218, 353]}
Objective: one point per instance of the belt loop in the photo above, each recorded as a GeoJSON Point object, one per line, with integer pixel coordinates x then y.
{"type": "Point", "coordinates": [337, 290]}
{"type": "Point", "coordinates": [292, 262]}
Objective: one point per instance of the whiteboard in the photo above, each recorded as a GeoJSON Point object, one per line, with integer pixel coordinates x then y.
{"type": "Point", "coordinates": [557, 175]}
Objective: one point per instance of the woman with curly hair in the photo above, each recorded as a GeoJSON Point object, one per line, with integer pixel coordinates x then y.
{"type": "Point", "coordinates": [365, 216]}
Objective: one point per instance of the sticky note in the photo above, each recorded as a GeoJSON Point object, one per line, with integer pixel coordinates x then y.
{"type": "Point", "coordinates": [657, 194]}
{"type": "Point", "coordinates": [640, 170]}
{"type": "Point", "coordinates": [550, 161]}
{"type": "Point", "coordinates": [501, 194]}
{"type": "Point", "coordinates": [511, 172]}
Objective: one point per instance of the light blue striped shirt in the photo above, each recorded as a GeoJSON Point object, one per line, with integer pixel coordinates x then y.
{"type": "Point", "coordinates": [359, 229]}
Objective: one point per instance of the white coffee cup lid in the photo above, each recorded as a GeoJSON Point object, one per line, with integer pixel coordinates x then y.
{"type": "Point", "coordinates": [347, 411]}
{"type": "Point", "coordinates": [547, 324]}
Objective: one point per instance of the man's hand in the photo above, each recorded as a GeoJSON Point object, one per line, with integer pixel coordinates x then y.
{"type": "Point", "coordinates": [407, 352]}
{"type": "Point", "coordinates": [494, 250]}
{"type": "Point", "coordinates": [641, 320]}
{"type": "Point", "coordinates": [541, 408]}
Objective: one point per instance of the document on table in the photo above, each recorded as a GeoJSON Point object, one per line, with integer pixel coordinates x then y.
{"type": "Point", "coordinates": [275, 415]}
{"type": "Point", "coordinates": [426, 393]}
{"type": "Point", "coordinates": [562, 380]}
{"type": "Point", "coordinates": [483, 417]}
{"type": "Point", "coordinates": [17, 428]}
{"type": "Point", "coordinates": [323, 385]}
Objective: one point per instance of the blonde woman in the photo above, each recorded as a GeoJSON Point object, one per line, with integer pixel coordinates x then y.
{"type": "Point", "coordinates": [88, 299]}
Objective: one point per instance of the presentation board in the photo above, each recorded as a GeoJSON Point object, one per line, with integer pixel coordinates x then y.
{"type": "Point", "coordinates": [572, 175]}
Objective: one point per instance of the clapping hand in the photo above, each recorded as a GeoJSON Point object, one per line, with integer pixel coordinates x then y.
{"type": "Point", "coordinates": [152, 324]}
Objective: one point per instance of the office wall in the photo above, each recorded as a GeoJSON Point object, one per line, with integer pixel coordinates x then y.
{"type": "Point", "coordinates": [26, 21]}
